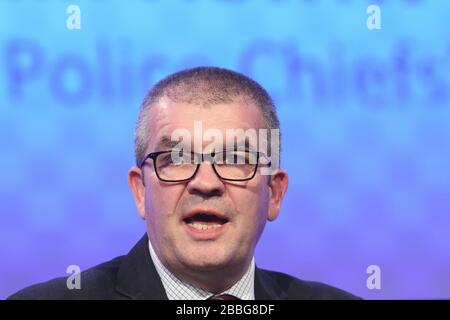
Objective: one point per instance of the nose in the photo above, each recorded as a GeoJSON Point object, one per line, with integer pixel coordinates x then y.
{"type": "Point", "coordinates": [206, 182]}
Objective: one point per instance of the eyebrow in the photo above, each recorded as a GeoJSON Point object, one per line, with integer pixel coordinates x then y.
{"type": "Point", "coordinates": [246, 143]}
{"type": "Point", "coordinates": [166, 143]}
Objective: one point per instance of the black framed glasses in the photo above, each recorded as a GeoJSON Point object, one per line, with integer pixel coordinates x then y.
{"type": "Point", "coordinates": [231, 165]}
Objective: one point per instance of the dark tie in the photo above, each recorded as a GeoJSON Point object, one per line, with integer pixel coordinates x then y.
{"type": "Point", "coordinates": [223, 297]}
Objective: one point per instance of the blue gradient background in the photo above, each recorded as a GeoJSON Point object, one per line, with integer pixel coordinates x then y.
{"type": "Point", "coordinates": [365, 118]}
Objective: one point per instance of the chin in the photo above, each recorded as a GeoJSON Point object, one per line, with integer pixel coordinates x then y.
{"type": "Point", "coordinates": [208, 261]}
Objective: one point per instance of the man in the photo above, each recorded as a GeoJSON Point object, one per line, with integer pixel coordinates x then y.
{"type": "Point", "coordinates": [205, 204]}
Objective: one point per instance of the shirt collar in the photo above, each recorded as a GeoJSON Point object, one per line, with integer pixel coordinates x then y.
{"type": "Point", "coordinates": [177, 289]}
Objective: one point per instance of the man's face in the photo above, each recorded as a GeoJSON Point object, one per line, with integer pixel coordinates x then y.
{"type": "Point", "coordinates": [243, 207]}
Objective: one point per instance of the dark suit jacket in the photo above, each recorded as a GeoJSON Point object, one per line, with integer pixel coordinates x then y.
{"type": "Point", "coordinates": [134, 277]}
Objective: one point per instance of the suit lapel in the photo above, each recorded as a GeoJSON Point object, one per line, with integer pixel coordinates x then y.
{"type": "Point", "coordinates": [266, 288]}
{"type": "Point", "coordinates": [137, 277]}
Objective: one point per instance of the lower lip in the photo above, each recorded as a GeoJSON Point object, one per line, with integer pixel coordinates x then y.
{"type": "Point", "coordinates": [205, 234]}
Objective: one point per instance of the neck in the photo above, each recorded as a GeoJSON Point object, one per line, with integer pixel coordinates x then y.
{"type": "Point", "coordinates": [213, 280]}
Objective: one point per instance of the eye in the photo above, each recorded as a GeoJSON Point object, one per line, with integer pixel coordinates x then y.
{"type": "Point", "coordinates": [184, 158]}
{"type": "Point", "coordinates": [181, 158]}
{"type": "Point", "coordinates": [165, 159]}
{"type": "Point", "coordinates": [240, 157]}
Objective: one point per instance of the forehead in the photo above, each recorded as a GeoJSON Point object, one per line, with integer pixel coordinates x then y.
{"type": "Point", "coordinates": [167, 116]}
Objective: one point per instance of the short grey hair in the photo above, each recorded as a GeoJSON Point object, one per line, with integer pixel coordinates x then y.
{"type": "Point", "coordinates": [205, 86]}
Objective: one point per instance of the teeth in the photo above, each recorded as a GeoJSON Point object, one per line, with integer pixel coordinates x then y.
{"type": "Point", "coordinates": [200, 226]}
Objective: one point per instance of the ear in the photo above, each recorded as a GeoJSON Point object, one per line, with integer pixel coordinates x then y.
{"type": "Point", "coordinates": [135, 181]}
{"type": "Point", "coordinates": [278, 184]}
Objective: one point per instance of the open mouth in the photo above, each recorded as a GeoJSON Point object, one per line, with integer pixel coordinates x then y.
{"type": "Point", "coordinates": [205, 221]}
